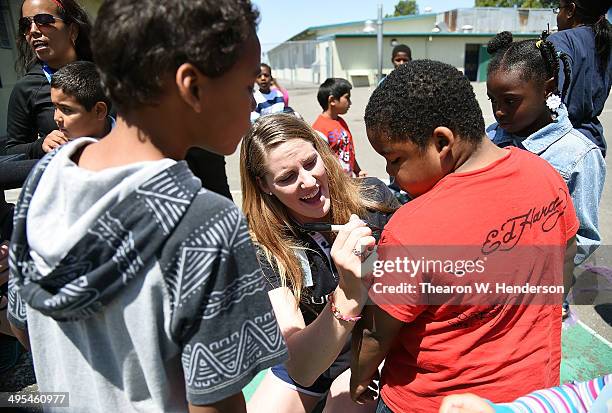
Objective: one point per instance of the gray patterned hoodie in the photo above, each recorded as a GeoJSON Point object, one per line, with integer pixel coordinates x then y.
{"type": "Point", "coordinates": [140, 290]}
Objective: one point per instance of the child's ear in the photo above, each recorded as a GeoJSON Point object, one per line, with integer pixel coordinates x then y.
{"type": "Point", "coordinates": [331, 101]}
{"type": "Point", "coordinates": [190, 82]}
{"type": "Point", "coordinates": [550, 87]}
{"type": "Point", "coordinates": [443, 140]}
{"type": "Point", "coordinates": [101, 110]}
{"type": "Point", "coordinates": [570, 10]}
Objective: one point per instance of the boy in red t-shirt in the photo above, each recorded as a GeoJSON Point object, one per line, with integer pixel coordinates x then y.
{"type": "Point", "coordinates": [508, 212]}
{"type": "Point", "coordinates": [334, 96]}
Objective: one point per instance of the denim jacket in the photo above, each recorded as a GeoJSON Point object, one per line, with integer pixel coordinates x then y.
{"type": "Point", "coordinates": [578, 161]}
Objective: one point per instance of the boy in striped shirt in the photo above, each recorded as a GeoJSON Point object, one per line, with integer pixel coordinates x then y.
{"type": "Point", "coordinates": [268, 100]}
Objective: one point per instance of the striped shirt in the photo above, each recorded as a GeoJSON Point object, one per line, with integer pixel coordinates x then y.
{"type": "Point", "coordinates": [268, 103]}
{"type": "Point", "coordinates": [568, 398]}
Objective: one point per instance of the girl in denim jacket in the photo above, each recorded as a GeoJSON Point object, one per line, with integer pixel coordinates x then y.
{"type": "Point", "coordinates": [522, 85]}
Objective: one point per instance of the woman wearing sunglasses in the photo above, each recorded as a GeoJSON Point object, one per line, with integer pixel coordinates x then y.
{"type": "Point", "coordinates": [52, 33]}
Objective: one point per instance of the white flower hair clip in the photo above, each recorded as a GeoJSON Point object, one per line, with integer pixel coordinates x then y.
{"type": "Point", "coordinates": [553, 102]}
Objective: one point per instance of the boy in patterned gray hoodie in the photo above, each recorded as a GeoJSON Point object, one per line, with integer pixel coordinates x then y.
{"type": "Point", "coordinates": [136, 289]}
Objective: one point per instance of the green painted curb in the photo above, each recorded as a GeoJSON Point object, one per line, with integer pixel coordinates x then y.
{"type": "Point", "coordinates": [250, 388]}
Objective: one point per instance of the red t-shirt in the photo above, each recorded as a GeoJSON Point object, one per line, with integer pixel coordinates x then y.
{"type": "Point", "coordinates": [502, 351]}
{"type": "Point", "coordinates": [339, 139]}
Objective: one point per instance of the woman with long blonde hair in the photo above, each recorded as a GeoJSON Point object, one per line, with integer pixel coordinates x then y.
{"type": "Point", "coordinates": [293, 188]}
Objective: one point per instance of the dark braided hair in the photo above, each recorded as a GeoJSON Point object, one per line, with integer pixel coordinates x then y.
{"type": "Point", "coordinates": [535, 59]}
{"type": "Point", "coordinates": [592, 13]}
{"type": "Point", "coordinates": [567, 71]}
{"type": "Point", "coordinates": [567, 66]}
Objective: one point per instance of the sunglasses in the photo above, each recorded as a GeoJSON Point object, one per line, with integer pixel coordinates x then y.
{"type": "Point", "coordinates": [40, 20]}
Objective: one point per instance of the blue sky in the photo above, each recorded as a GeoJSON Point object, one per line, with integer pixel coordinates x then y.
{"type": "Point", "coordinates": [281, 19]}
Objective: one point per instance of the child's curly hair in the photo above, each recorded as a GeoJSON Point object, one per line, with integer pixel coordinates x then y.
{"type": "Point", "coordinates": [419, 96]}
{"type": "Point", "coordinates": [137, 42]}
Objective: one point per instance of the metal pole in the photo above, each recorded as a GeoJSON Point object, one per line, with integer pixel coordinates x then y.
{"type": "Point", "coordinates": [379, 41]}
{"type": "Point", "coordinates": [292, 62]}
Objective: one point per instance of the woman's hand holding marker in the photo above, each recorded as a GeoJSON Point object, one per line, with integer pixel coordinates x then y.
{"type": "Point", "coordinates": [353, 242]}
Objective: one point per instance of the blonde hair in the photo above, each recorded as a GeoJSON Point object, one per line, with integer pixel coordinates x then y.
{"type": "Point", "coordinates": [269, 221]}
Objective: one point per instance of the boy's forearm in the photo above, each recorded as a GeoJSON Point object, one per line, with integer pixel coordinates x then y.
{"type": "Point", "coordinates": [367, 355]}
{"type": "Point", "coordinates": [568, 267]}
{"type": "Point", "coordinates": [371, 341]}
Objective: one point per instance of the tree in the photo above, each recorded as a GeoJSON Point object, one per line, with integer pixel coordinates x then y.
{"type": "Point", "coordinates": [517, 3]}
{"type": "Point", "coordinates": [405, 8]}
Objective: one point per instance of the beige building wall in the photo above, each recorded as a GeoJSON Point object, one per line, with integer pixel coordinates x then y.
{"type": "Point", "coordinates": [357, 56]}
{"type": "Point", "coordinates": [355, 53]}
{"type": "Point", "coordinates": [450, 50]}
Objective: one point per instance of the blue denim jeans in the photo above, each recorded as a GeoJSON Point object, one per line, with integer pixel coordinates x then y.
{"type": "Point", "coordinates": [382, 407]}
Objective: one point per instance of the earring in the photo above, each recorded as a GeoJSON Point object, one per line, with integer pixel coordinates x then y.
{"type": "Point", "coordinates": [553, 101]}
{"type": "Point", "coordinates": [270, 193]}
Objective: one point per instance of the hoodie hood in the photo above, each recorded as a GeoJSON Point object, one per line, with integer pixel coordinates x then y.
{"type": "Point", "coordinates": [81, 236]}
